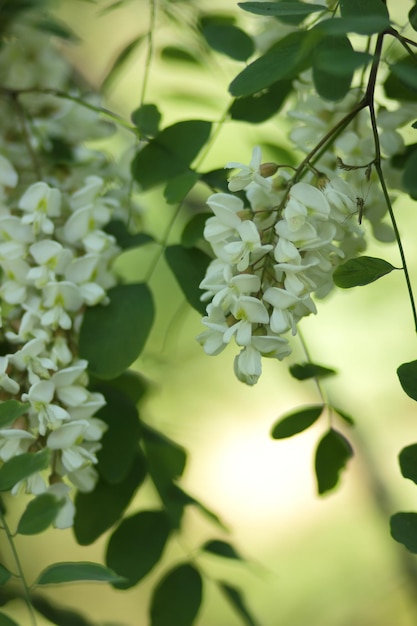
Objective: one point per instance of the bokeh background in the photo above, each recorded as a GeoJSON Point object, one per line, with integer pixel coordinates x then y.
{"type": "Point", "coordinates": [309, 561]}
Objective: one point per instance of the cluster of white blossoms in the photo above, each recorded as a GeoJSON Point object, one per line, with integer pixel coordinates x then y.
{"type": "Point", "coordinates": [272, 253]}
{"type": "Point", "coordinates": [55, 260]}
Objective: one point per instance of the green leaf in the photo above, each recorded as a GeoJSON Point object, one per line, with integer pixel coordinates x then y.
{"type": "Point", "coordinates": [228, 39]}
{"type": "Point", "coordinates": [5, 575]}
{"type": "Point", "coordinates": [22, 466]}
{"type": "Point", "coordinates": [332, 71]}
{"type": "Point", "coordinates": [120, 441]}
{"type": "Point", "coordinates": [260, 107]}
{"type": "Point", "coordinates": [408, 462]}
{"type": "Point", "coordinates": [177, 597]}
{"type": "Point", "coordinates": [97, 511]}
{"type": "Point", "coordinates": [147, 118]}
{"type": "Point", "coordinates": [136, 545]}
{"type": "Point", "coordinates": [216, 179]}
{"type": "Point", "coordinates": [404, 530]}
{"type": "Point", "coordinates": [407, 373]}
{"type": "Point", "coordinates": [406, 71]}
{"type": "Point", "coordinates": [279, 9]}
{"type": "Point", "coordinates": [361, 271]}
{"type": "Point", "coordinates": [5, 620]}
{"type": "Point", "coordinates": [221, 548]}
{"type": "Point", "coordinates": [333, 452]}
{"type": "Point", "coordinates": [124, 239]}
{"type": "Point", "coordinates": [177, 188]}
{"type": "Point", "coordinates": [10, 410]}
{"type": "Point", "coordinates": [412, 17]}
{"type": "Point", "coordinates": [121, 59]}
{"type": "Point", "coordinates": [175, 53]}
{"type": "Point", "coordinates": [112, 336]}
{"type": "Point", "coordinates": [39, 514]}
{"type": "Point", "coordinates": [56, 614]}
{"type": "Point", "coordinates": [194, 229]}
{"type": "Point", "coordinates": [185, 499]}
{"type": "Point", "coordinates": [304, 371]}
{"type": "Point", "coordinates": [395, 87]}
{"type": "Point", "coordinates": [345, 416]}
{"type": "Point", "coordinates": [409, 175]}
{"type": "Point", "coordinates": [235, 598]}
{"type": "Point", "coordinates": [373, 14]}
{"type": "Point", "coordinates": [344, 25]}
{"type": "Point", "coordinates": [131, 383]}
{"type": "Point", "coordinates": [285, 59]}
{"type": "Point", "coordinates": [170, 153]}
{"type": "Point", "coordinates": [296, 421]}
{"type": "Point", "coordinates": [189, 267]}
{"type": "Point", "coordinates": [75, 571]}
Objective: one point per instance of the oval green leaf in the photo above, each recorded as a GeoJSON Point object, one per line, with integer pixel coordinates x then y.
{"type": "Point", "coordinates": [5, 620]}
{"type": "Point", "coordinates": [177, 597]}
{"type": "Point", "coordinates": [147, 118]}
{"type": "Point", "coordinates": [235, 598]}
{"type": "Point", "coordinates": [229, 40]}
{"type": "Point", "coordinates": [39, 514]}
{"type": "Point", "coordinates": [259, 108]}
{"type": "Point", "coordinates": [10, 410]}
{"type": "Point", "coordinates": [408, 462]}
{"type": "Point", "coordinates": [22, 466]}
{"type": "Point", "coordinates": [137, 544]}
{"type": "Point", "coordinates": [189, 267]}
{"type": "Point", "coordinates": [287, 9]}
{"type": "Point", "coordinates": [112, 336]}
{"type": "Point", "coordinates": [194, 229]}
{"type": "Point", "coordinates": [407, 373]}
{"type": "Point", "coordinates": [404, 530]}
{"type": "Point", "coordinates": [332, 455]}
{"type": "Point", "coordinates": [412, 17]}
{"type": "Point", "coordinates": [71, 572]}
{"type": "Point", "coordinates": [361, 271]}
{"type": "Point", "coordinates": [296, 422]}
{"type": "Point", "coordinates": [5, 575]}
{"type": "Point", "coordinates": [372, 16]}
{"type": "Point", "coordinates": [124, 239]}
{"type": "Point", "coordinates": [221, 548]}
{"type": "Point", "coordinates": [304, 371]}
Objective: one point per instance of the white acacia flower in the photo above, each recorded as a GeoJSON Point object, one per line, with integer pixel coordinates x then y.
{"type": "Point", "coordinates": [212, 339]}
{"type": "Point", "coordinates": [14, 285]}
{"type": "Point", "coordinates": [8, 175]}
{"type": "Point", "coordinates": [247, 310]}
{"type": "Point", "coordinates": [248, 365]}
{"type": "Point", "coordinates": [14, 441]}
{"type": "Point", "coordinates": [68, 438]}
{"type": "Point", "coordinates": [248, 173]}
{"type": "Point", "coordinates": [40, 202]}
{"type": "Point", "coordinates": [7, 383]}
{"type": "Point", "coordinates": [226, 221]}
{"type": "Point", "coordinates": [48, 416]}
{"type": "Point", "coordinates": [30, 358]}
{"type": "Point", "coordinates": [59, 298]}
{"type": "Point", "coordinates": [247, 250]}
{"type": "Point", "coordinates": [65, 516]}
{"type": "Point", "coordinates": [51, 259]}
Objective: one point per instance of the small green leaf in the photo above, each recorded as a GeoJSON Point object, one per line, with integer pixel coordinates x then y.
{"type": "Point", "coordinates": [121, 59]}
{"type": "Point", "coordinates": [97, 511]}
{"type": "Point", "coordinates": [185, 499]}
{"type": "Point", "coordinates": [193, 231]}
{"type": "Point", "coordinates": [304, 371]}
{"type": "Point", "coordinates": [124, 239]}
{"type": "Point", "coordinates": [10, 410]}
{"type": "Point", "coordinates": [409, 175]}
{"type": "Point", "coordinates": [333, 452]}
{"type": "Point", "coordinates": [147, 118]}
{"type": "Point", "coordinates": [221, 548]}
{"type": "Point", "coordinates": [279, 9]}
{"type": "Point", "coordinates": [404, 530]}
{"type": "Point", "coordinates": [75, 571]}
{"type": "Point", "coordinates": [136, 545]}
{"type": "Point", "coordinates": [112, 336]}
{"type": "Point", "coordinates": [361, 271]}
{"type": "Point", "coordinates": [412, 17]}
{"type": "Point", "coordinates": [345, 416]}
{"type": "Point", "coordinates": [5, 620]}
{"type": "Point", "coordinates": [5, 575]}
{"type": "Point", "coordinates": [261, 106]}
{"type": "Point", "coordinates": [175, 53]}
{"type": "Point", "coordinates": [39, 514]}
{"type": "Point", "coordinates": [189, 267]}
{"type": "Point", "coordinates": [177, 597]}
{"type": "Point", "coordinates": [228, 39]}
{"type": "Point", "coordinates": [56, 614]}
{"type": "Point", "coordinates": [408, 462]}
{"type": "Point", "coordinates": [296, 422]}
{"type": "Point", "coordinates": [177, 188]}
{"type": "Point", "coordinates": [22, 466]}
{"type": "Point", "coordinates": [235, 598]}
{"type": "Point", "coordinates": [407, 373]}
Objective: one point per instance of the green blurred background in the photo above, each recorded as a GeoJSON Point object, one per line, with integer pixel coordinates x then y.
{"type": "Point", "coordinates": [310, 561]}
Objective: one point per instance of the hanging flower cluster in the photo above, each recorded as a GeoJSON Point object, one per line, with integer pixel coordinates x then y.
{"type": "Point", "coordinates": [272, 253]}
{"type": "Point", "coordinates": [55, 260]}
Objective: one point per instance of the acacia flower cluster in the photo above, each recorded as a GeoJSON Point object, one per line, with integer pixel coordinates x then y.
{"type": "Point", "coordinates": [56, 199]}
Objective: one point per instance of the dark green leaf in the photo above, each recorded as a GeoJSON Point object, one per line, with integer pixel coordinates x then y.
{"type": "Point", "coordinates": [406, 71]}
{"type": "Point", "coordinates": [228, 39]}
{"type": "Point", "coordinates": [372, 13]}
{"type": "Point", "coordinates": [121, 59]}
{"type": "Point", "coordinates": [333, 452]}
{"type": "Point", "coordinates": [185, 499]}
{"type": "Point", "coordinates": [285, 59]}
{"type": "Point", "coordinates": [120, 441]}
{"type": "Point", "coordinates": [147, 118]}
{"type": "Point", "coordinates": [124, 239]}
{"type": "Point", "coordinates": [56, 614]}
{"type": "Point", "coordinates": [279, 9]}
{"type": "Point", "coordinates": [367, 25]}
{"type": "Point", "coordinates": [412, 17]}
{"type": "Point", "coordinates": [414, 125]}
{"type": "Point", "coordinates": [177, 188]}
{"type": "Point", "coordinates": [404, 530]}
{"type": "Point", "coordinates": [216, 179]}
{"type": "Point", "coordinates": [175, 53]}
{"type": "Point", "coordinates": [221, 548]}
{"type": "Point", "coordinates": [39, 514]}
{"type": "Point", "coordinates": [345, 416]}
{"type": "Point", "coordinates": [10, 410]}
{"type": "Point", "coordinates": [75, 571]}
{"type": "Point", "coordinates": [189, 267]}
{"type": "Point", "coordinates": [395, 87]}
{"type": "Point", "coordinates": [5, 575]}
{"type": "Point", "coordinates": [260, 107]}
{"type": "Point", "coordinates": [332, 79]}
{"type": "Point", "coordinates": [170, 153]}
{"type": "Point", "coordinates": [131, 383]}
{"type": "Point", "coordinates": [55, 27]}
{"type": "Point", "coordinates": [5, 620]}
{"type": "Point", "coordinates": [137, 544]}
{"type": "Point", "coordinates": [361, 271]}
{"type": "Point", "coordinates": [22, 466]}
{"type": "Point", "coordinates": [407, 373]}
{"type": "Point", "coordinates": [177, 597]}
{"type": "Point", "coordinates": [193, 231]}
{"type": "Point", "coordinates": [296, 421]}
{"type": "Point", "coordinates": [97, 511]}
{"type": "Point", "coordinates": [304, 371]}
{"type": "Point", "coordinates": [408, 462]}
{"type": "Point", "coordinates": [112, 336]}
{"type": "Point", "coordinates": [409, 175]}
{"type": "Point", "coordinates": [235, 598]}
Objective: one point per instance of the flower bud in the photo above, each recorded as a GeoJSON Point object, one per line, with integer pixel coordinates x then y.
{"type": "Point", "coordinates": [268, 169]}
